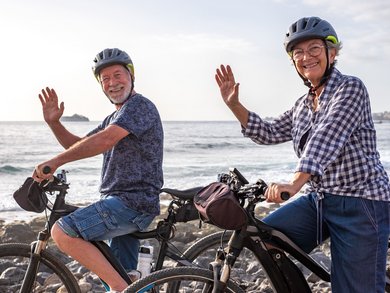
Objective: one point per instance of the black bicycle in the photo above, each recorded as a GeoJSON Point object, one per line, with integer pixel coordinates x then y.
{"type": "Point", "coordinates": [277, 254]}
{"type": "Point", "coordinates": [33, 267]}
{"type": "Point", "coordinates": [270, 247]}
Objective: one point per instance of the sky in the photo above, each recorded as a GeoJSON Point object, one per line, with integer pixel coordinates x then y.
{"type": "Point", "coordinates": [176, 46]}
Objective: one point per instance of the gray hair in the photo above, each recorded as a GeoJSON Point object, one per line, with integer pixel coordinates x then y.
{"type": "Point", "coordinates": [332, 45]}
{"type": "Point", "coordinates": [337, 46]}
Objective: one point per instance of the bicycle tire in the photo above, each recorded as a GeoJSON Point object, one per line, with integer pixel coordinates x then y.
{"type": "Point", "coordinates": [205, 243]}
{"type": "Point", "coordinates": [245, 272]}
{"type": "Point", "coordinates": [248, 270]}
{"type": "Point", "coordinates": [187, 278]}
{"type": "Point", "coordinates": [14, 258]}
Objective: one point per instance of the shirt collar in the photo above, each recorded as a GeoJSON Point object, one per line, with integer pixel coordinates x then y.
{"type": "Point", "coordinates": [332, 82]}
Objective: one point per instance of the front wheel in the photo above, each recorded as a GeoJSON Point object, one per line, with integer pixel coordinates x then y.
{"type": "Point", "coordinates": [51, 275]}
{"type": "Point", "coordinates": [184, 279]}
{"type": "Point", "coordinates": [247, 268]}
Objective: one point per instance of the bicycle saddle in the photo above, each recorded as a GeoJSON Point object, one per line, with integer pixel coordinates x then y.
{"type": "Point", "coordinates": [182, 194]}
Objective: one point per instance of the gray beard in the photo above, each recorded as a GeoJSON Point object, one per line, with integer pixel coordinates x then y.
{"type": "Point", "coordinates": [119, 100]}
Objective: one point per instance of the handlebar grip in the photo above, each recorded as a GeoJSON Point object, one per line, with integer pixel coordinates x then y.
{"type": "Point", "coordinates": [46, 170]}
{"type": "Point", "coordinates": [285, 195]}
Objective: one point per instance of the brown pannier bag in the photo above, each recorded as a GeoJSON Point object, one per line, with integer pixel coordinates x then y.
{"type": "Point", "coordinates": [218, 205]}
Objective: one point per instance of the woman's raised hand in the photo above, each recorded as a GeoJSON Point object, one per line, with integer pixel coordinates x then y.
{"type": "Point", "coordinates": [227, 85]}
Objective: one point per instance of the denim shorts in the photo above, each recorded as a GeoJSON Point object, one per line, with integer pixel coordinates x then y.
{"type": "Point", "coordinates": [104, 220]}
{"type": "Point", "coordinates": [109, 219]}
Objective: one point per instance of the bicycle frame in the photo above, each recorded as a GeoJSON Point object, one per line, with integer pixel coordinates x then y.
{"type": "Point", "coordinates": [282, 272]}
{"type": "Point", "coordinates": [269, 246]}
{"type": "Point", "coordinates": [162, 232]}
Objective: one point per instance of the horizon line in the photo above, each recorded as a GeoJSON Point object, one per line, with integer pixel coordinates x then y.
{"type": "Point", "coordinates": [101, 120]}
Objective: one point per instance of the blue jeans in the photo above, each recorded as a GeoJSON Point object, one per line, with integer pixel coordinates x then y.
{"type": "Point", "coordinates": [358, 229]}
{"type": "Point", "coordinates": [109, 219]}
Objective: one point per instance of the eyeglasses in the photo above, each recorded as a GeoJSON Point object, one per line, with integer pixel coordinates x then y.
{"type": "Point", "coordinates": [313, 51]}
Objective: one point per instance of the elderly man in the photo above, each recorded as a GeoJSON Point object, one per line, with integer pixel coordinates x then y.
{"type": "Point", "coordinates": [131, 141]}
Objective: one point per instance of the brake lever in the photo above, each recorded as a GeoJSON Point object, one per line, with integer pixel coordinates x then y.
{"type": "Point", "coordinates": [45, 183]}
{"type": "Point", "coordinates": [263, 187]}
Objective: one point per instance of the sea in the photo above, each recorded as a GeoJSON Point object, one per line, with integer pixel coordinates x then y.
{"type": "Point", "coordinates": [194, 154]}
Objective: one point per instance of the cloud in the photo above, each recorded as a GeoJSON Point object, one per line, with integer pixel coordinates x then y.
{"type": "Point", "coordinates": [359, 10]}
{"type": "Point", "coordinates": [205, 42]}
{"type": "Point", "coordinates": [374, 46]}
{"type": "Point", "coordinates": [364, 26]}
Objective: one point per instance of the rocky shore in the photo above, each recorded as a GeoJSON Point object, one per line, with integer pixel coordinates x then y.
{"type": "Point", "coordinates": [26, 231]}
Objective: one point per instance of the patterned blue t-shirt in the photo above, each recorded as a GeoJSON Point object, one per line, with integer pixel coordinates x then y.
{"type": "Point", "coordinates": [132, 169]}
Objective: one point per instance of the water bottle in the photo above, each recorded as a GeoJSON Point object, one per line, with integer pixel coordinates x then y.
{"type": "Point", "coordinates": [145, 258]}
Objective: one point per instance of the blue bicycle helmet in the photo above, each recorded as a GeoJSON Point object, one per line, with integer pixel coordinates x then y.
{"type": "Point", "coordinates": [309, 28]}
{"type": "Point", "coordinates": [109, 57]}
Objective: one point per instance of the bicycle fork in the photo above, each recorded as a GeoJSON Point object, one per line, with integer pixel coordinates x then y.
{"type": "Point", "coordinates": [220, 272]}
{"type": "Point", "coordinates": [224, 261]}
{"type": "Point", "coordinates": [35, 259]}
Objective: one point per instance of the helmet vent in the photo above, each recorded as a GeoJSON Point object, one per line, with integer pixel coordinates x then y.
{"type": "Point", "coordinates": [294, 28]}
{"type": "Point", "coordinates": [304, 24]}
{"type": "Point", "coordinates": [309, 28]}
{"type": "Point", "coordinates": [109, 57]}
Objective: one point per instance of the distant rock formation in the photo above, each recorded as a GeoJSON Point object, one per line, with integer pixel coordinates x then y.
{"type": "Point", "coordinates": [381, 116]}
{"type": "Point", "coordinates": [75, 118]}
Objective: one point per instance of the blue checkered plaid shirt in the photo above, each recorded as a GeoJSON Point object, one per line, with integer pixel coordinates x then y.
{"type": "Point", "coordinates": [336, 144]}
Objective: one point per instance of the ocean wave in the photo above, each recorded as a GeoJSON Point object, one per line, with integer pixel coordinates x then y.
{"type": "Point", "coordinates": [8, 169]}
{"type": "Point", "coordinates": [216, 145]}
{"type": "Point", "coordinates": [11, 209]}
{"type": "Point", "coordinates": [203, 146]}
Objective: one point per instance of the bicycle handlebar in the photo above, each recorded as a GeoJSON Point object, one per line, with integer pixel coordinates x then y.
{"type": "Point", "coordinates": [239, 184]}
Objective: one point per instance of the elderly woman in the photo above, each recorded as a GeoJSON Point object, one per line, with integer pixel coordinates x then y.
{"type": "Point", "coordinates": [331, 127]}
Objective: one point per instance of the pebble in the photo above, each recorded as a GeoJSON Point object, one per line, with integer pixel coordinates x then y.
{"type": "Point", "coordinates": [254, 277]}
